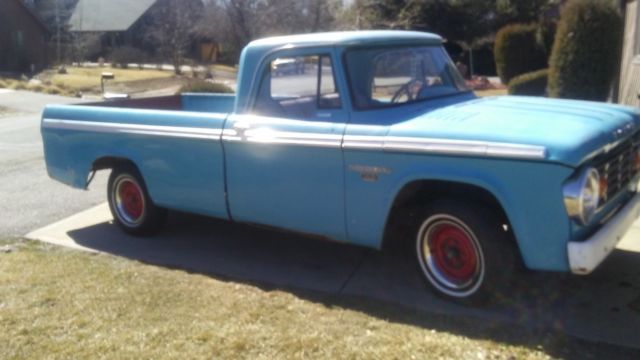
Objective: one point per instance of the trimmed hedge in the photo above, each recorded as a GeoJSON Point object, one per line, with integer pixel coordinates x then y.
{"type": "Point", "coordinates": [545, 35]}
{"type": "Point", "coordinates": [530, 84]}
{"type": "Point", "coordinates": [205, 87]}
{"type": "Point", "coordinates": [586, 51]}
{"type": "Point", "coordinates": [517, 51]}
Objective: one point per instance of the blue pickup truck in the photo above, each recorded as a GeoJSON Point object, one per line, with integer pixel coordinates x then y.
{"type": "Point", "coordinates": [374, 140]}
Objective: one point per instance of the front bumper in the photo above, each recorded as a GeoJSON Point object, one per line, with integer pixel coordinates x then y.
{"type": "Point", "coordinates": [585, 256]}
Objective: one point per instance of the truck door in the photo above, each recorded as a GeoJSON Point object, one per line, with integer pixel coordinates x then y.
{"type": "Point", "coordinates": [284, 157]}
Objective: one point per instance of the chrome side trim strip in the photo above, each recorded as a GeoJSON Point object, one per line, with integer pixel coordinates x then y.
{"type": "Point", "coordinates": [268, 136]}
{"type": "Point", "coordinates": [356, 142]}
{"type": "Point", "coordinates": [138, 129]}
{"type": "Point", "coordinates": [442, 146]}
{"type": "Point", "coordinates": [363, 142]}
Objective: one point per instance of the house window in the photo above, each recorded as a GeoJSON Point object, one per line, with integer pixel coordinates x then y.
{"type": "Point", "coordinates": [18, 40]}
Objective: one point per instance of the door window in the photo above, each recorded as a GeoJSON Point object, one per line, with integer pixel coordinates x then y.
{"type": "Point", "coordinates": [298, 88]}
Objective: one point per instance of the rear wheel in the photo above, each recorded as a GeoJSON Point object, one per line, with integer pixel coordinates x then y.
{"type": "Point", "coordinates": [130, 204]}
{"type": "Point", "coordinates": [463, 252]}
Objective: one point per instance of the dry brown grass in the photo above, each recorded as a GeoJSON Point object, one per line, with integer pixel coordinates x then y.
{"type": "Point", "coordinates": [86, 79]}
{"type": "Point", "coordinates": [223, 67]}
{"type": "Point", "coordinates": [81, 80]}
{"type": "Point", "coordinates": [45, 87]}
{"type": "Point", "coordinates": [61, 304]}
{"type": "Point", "coordinates": [495, 92]}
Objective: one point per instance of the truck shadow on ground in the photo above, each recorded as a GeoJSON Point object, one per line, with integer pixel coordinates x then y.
{"type": "Point", "coordinates": [604, 307]}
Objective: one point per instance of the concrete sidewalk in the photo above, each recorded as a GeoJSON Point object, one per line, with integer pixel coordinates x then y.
{"type": "Point", "coordinates": [603, 307]}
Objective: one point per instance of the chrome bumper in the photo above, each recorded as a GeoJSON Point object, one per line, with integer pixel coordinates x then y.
{"type": "Point", "coordinates": [585, 256]}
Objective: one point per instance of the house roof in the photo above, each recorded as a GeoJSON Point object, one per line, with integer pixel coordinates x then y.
{"type": "Point", "coordinates": [35, 17]}
{"type": "Point", "coordinates": [107, 15]}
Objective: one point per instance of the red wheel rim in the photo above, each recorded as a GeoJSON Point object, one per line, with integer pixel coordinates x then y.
{"type": "Point", "coordinates": [453, 253]}
{"type": "Point", "coordinates": [132, 199]}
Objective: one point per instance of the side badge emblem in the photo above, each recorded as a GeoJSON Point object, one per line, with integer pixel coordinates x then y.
{"type": "Point", "coordinates": [370, 173]}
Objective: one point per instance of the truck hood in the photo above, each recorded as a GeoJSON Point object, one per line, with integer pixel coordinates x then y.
{"type": "Point", "coordinates": [571, 131]}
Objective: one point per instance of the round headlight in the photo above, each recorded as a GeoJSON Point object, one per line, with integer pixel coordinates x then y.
{"type": "Point", "coordinates": [582, 196]}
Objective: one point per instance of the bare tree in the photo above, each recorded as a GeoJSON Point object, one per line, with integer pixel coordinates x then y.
{"type": "Point", "coordinates": [171, 26]}
{"type": "Point", "coordinates": [251, 19]}
{"type": "Point", "coordinates": [55, 14]}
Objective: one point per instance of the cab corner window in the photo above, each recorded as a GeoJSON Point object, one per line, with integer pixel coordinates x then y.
{"type": "Point", "coordinates": [298, 88]}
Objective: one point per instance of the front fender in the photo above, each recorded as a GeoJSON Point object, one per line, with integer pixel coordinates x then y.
{"type": "Point", "coordinates": [530, 194]}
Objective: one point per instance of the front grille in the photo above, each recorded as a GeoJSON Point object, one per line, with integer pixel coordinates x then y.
{"type": "Point", "coordinates": [619, 165]}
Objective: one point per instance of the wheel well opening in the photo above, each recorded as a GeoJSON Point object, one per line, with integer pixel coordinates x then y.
{"type": "Point", "coordinates": [111, 162]}
{"type": "Point", "coordinates": [418, 193]}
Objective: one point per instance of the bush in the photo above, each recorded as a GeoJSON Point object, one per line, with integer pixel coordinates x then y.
{"type": "Point", "coordinates": [586, 50]}
{"type": "Point", "coordinates": [35, 88]}
{"type": "Point", "coordinates": [125, 55]}
{"type": "Point", "coordinates": [530, 84]}
{"type": "Point", "coordinates": [52, 90]}
{"type": "Point", "coordinates": [206, 87]}
{"type": "Point", "coordinates": [517, 51]}
{"type": "Point", "coordinates": [545, 35]}
{"type": "Point", "coordinates": [18, 85]}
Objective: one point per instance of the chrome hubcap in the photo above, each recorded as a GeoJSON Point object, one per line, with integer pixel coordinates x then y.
{"type": "Point", "coordinates": [450, 255]}
{"type": "Point", "coordinates": [128, 200]}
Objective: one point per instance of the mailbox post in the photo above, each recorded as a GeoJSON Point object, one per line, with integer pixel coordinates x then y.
{"type": "Point", "coordinates": [106, 76]}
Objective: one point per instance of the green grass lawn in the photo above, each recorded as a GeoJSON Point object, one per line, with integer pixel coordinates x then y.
{"type": "Point", "coordinates": [62, 304]}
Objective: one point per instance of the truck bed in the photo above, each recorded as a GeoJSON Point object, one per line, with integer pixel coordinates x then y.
{"type": "Point", "coordinates": [216, 103]}
{"type": "Point", "coordinates": [174, 141]}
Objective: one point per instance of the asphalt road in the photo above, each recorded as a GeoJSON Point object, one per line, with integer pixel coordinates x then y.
{"type": "Point", "coordinates": [29, 199]}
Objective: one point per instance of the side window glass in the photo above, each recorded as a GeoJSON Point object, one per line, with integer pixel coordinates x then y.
{"type": "Point", "coordinates": [298, 88]}
{"type": "Point", "coordinates": [293, 77]}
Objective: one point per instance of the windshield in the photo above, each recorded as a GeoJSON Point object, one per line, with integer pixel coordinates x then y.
{"type": "Point", "coordinates": [384, 77]}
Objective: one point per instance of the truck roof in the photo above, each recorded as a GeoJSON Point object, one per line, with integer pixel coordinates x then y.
{"type": "Point", "coordinates": [348, 38]}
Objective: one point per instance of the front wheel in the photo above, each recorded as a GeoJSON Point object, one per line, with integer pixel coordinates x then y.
{"type": "Point", "coordinates": [130, 204]}
{"type": "Point", "coordinates": [463, 252]}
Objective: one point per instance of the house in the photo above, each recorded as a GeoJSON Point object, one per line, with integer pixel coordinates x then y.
{"type": "Point", "coordinates": [23, 39]}
{"type": "Point", "coordinates": [117, 20]}
{"type": "Point", "coordinates": [127, 23]}
{"type": "Point", "coordinates": [629, 84]}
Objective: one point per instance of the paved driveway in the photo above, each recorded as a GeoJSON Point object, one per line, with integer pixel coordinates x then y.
{"type": "Point", "coordinates": [28, 198]}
